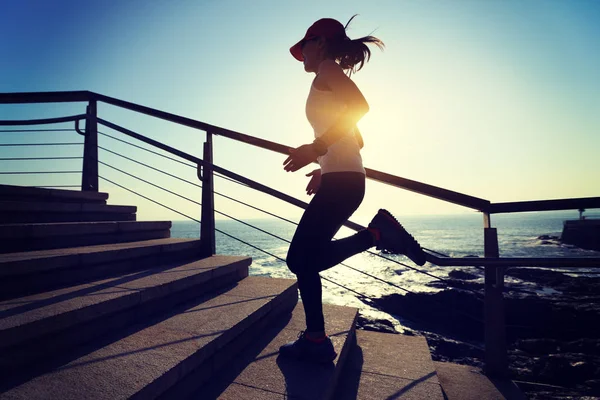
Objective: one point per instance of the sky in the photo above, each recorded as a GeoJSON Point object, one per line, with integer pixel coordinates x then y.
{"type": "Point", "coordinates": [494, 99]}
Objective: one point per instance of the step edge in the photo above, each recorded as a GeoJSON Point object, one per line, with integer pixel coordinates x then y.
{"type": "Point", "coordinates": [19, 334]}
{"type": "Point", "coordinates": [77, 257]}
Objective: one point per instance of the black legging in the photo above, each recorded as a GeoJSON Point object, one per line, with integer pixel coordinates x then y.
{"type": "Point", "coordinates": [312, 249]}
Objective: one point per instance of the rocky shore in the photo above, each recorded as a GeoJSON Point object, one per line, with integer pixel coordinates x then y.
{"type": "Point", "coordinates": [554, 339]}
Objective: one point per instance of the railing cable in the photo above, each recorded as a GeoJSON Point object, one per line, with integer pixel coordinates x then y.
{"type": "Point", "coordinates": [200, 186]}
{"type": "Point", "coordinates": [148, 150]}
{"type": "Point", "coordinates": [194, 201]}
{"type": "Point", "coordinates": [148, 166]}
{"type": "Point", "coordinates": [147, 198]}
{"type": "Point", "coordinates": [167, 157]}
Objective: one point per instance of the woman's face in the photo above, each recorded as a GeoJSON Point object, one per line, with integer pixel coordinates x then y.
{"type": "Point", "coordinates": [312, 54]}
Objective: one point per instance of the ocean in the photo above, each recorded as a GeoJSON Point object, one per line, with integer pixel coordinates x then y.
{"type": "Point", "coordinates": [454, 235]}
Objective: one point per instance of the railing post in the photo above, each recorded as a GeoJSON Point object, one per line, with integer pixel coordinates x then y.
{"type": "Point", "coordinates": [496, 357]}
{"type": "Point", "coordinates": [207, 226]}
{"type": "Point", "coordinates": [89, 176]}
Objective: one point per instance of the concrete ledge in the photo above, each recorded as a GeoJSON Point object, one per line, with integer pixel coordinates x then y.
{"type": "Point", "coordinates": [11, 192]}
{"type": "Point", "coordinates": [27, 231]}
{"type": "Point", "coordinates": [22, 217]}
{"type": "Point", "coordinates": [14, 264]}
{"type": "Point", "coordinates": [147, 362]}
{"type": "Point", "coordinates": [28, 237]}
{"type": "Point", "coordinates": [464, 382]}
{"type": "Point", "coordinates": [34, 316]}
{"type": "Point", "coordinates": [384, 365]}
{"type": "Point", "coordinates": [39, 207]}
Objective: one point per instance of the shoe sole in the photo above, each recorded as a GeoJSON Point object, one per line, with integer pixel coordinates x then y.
{"type": "Point", "coordinates": [413, 248]}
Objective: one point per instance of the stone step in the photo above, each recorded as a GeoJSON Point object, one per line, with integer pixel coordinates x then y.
{"type": "Point", "coordinates": [150, 358]}
{"type": "Point", "coordinates": [25, 193]}
{"type": "Point", "coordinates": [259, 372]}
{"type": "Point", "coordinates": [389, 366]}
{"type": "Point", "coordinates": [45, 324]}
{"type": "Point", "coordinates": [464, 382]}
{"type": "Point", "coordinates": [34, 271]}
{"type": "Point", "coordinates": [12, 212]}
{"type": "Point", "coordinates": [27, 237]}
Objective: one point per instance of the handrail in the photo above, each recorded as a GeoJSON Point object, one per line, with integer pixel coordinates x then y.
{"type": "Point", "coordinates": [421, 188]}
{"type": "Point", "coordinates": [545, 205]}
{"type": "Point", "coordinates": [567, 262]}
{"type": "Point", "coordinates": [418, 187]}
{"type": "Point", "coordinates": [45, 97]}
{"type": "Point", "coordinates": [42, 121]}
{"type": "Point", "coordinates": [430, 190]}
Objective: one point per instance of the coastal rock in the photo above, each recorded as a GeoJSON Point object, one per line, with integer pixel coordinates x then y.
{"type": "Point", "coordinates": [377, 325]}
{"type": "Point", "coordinates": [453, 312]}
{"type": "Point", "coordinates": [548, 237]}
{"type": "Point", "coordinates": [538, 346]}
{"type": "Point", "coordinates": [457, 284]}
{"type": "Point", "coordinates": [459, 274]}
{"type": "Point", "coordinates": [565, 369]}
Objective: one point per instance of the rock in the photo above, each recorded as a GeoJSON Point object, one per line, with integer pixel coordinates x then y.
{"type": "Point", "coordinates": [583, 346]}
{"type": "Point", "coordinates": [548, 237]}
{"type": "Point", "coordinates": [538, 346]}
{"type": "Point", "coordinates": [454, 312]}
{"type": "Point", "coordinates": [457, 284]}
{"type": "Point", "coordinates": [563, 369]}
{"type": "Point", "coordinates": [459, 274]}
{"type": "Point", "coordinates": [453, 349]}
{"type": "Point", "coordinates": [376, 325]}
{"type": "Point", "coordinates": [594, 384]}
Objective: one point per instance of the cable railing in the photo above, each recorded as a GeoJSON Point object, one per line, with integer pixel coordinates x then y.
{"type": "Point", "coordinates": [492, 264]}
{"type": "Point", "coordinates": [58, 167]}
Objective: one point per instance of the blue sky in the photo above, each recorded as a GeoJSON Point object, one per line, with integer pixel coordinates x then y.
{"type": "Point", "coordinates": [496, 99]}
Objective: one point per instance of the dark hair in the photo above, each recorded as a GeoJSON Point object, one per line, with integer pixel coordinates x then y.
{"type": "Point", "coordinates": [350, 53]}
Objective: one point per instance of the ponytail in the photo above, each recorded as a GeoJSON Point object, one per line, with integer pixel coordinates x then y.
{"type": "Point", "coordinates": [351, 54]}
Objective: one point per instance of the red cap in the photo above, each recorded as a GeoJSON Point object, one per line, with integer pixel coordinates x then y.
{"type": "Point", "coordinates": [326, 27]}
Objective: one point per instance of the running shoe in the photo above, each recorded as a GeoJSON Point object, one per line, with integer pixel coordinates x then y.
{"type": "Point", "coordinates": [394, 238]}
{"type": "Point", "coordinates": [321, 352]}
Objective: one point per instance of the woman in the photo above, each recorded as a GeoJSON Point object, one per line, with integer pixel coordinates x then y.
{"type": "Point", "coordinates": [333, 108]}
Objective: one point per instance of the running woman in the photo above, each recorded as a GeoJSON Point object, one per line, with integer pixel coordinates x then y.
{"type": "Point", "coordinates": [333, 108]}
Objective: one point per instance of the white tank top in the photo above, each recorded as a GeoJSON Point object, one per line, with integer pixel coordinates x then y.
{"type": "Point", "coordinates": [322, 111]}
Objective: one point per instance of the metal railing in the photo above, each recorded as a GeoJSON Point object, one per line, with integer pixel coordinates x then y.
{"type": "Point", "coordinates": [495, 331]}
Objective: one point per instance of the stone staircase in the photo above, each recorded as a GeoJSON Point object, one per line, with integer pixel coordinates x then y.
{"type": "Point", "coordinates": [94, 304]}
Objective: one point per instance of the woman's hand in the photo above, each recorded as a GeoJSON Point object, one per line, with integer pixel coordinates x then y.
{"type": "Point", "coordinates": [315, 182]}
{"type": "Point", "coordinates": [300, 157]}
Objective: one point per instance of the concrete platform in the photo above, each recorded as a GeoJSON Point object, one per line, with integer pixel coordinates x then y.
{"type": "Point", "coordinates": [260, 373]}
{"type": "Point", "coordinates": [389, 366]}
{"type": "Point", "coordinates": [152, 358]}
{"type": "Point", "coordinates": [463, 382]}
{"type": "Point", "coordinates": [28, 237]}
{"type": "Point", "coordinates": [19, 193]}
